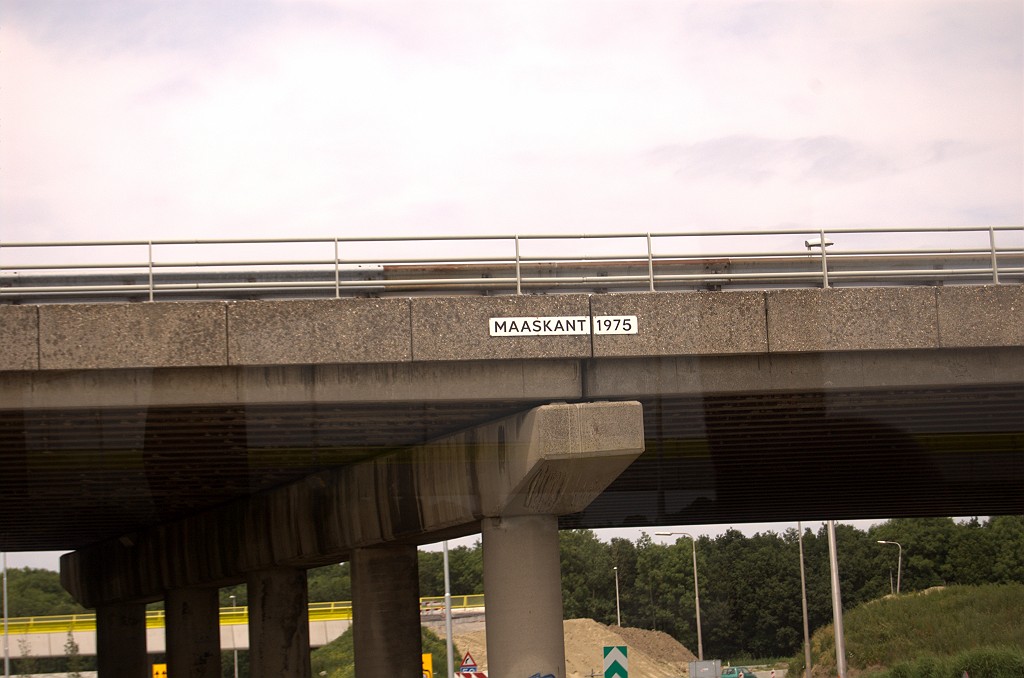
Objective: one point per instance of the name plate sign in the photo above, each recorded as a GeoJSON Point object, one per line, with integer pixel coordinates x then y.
{"type": "Point", "coordinates": [546, 326]}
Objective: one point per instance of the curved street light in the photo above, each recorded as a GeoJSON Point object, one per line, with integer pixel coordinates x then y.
{"type": "Point", "coordinates": [696, 590]}
{"type": "Point", "coordinates": [899, 563]}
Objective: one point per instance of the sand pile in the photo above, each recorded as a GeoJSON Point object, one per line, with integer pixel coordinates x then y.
{"type": "Point", "coordinates": [652, 654]}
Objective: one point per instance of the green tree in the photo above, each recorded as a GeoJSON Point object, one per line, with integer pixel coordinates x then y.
{"type": "Point", "coordinates": [34, 592]}
{"type": "Point", "coordinates": [329, 583]}
{"type": "Point", "coordinates": [588, 577]}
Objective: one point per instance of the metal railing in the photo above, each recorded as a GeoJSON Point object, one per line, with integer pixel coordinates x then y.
{"type": "Point", "coordinates": [229, 616]}
{"type": "Point", "coordinates": [507, 264]}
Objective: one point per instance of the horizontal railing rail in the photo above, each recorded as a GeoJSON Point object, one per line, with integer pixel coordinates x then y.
{"type": "Point", "coordinates": [229, 616]}
{"type": "Point", "coordinates": [506, 264]}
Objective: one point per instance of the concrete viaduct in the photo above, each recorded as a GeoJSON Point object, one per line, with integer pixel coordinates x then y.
{"type": "Point", "coordinates": [183, 446]}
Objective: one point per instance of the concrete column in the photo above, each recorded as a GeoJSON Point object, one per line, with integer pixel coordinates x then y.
{"type": "Point", "coordinates": [193, 633]}
{"type": "Point", "coordinates": [121, 640]}
{"type": "Point", "coordinates": [278, 624]}
{"type": "Point", "coordinates": [523, 589]}
{"type": "Point", "coordinates": [386, 612]}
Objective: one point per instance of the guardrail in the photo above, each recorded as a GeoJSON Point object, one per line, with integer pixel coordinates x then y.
{"type": "Point", "coordinates": [229, 616]}
{"type": "Point", "coordinates": [506, 264]}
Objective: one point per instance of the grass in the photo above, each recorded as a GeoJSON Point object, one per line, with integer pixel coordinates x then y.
{"type": "Point", "coordinates": [925, 634]}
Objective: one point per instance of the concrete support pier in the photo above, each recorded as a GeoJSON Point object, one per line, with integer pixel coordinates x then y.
{"type": "Point", "coordinates": [121, 640]}
{"type": "Point", "coordinates": [523, 587]}
{"type": "Point", "coordinates": [193, 633]}
{"type": "Point", "coordinates": [386, 613]}
{"type": "Point", "coordinates": [278, 624]}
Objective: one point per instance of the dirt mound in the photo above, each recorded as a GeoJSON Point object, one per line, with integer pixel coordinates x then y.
{"type": "Point", "coordinates": [652, 654]}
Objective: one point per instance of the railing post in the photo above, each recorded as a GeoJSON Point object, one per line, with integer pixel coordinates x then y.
{"type": "Point", "coordinates": [824, 259]}
{"type": "Point", "coordinates": [519, 280]}
{"type": "Point", "coordinates": [337, 271]}
{"type": "Point", "coordinates": [150, 252]}
{"type": "Point", "coordinates": [650, 262]}
{"type": "Point", "coordinates": [995, 259]}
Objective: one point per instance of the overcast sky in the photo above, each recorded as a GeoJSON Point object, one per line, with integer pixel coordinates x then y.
{"type": "Point", "coordinates": [260, 118]}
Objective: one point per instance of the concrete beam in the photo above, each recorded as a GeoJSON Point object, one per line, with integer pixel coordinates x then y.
{"type": "Point", "coordinates": [193, 633]}
{"type": "Point", "coordinates": [703, 376]}
{"type": "Point", "coordinates": [547, 380]}
{"type": "Point", "coordinates": [457, 328]}
{"type": "Point", "coordinates": [386, 601]}
{"type": "Point", "coordinates": [121, 640]}
{"type": "Point", "coordinates": [114, 336]}
{"type": "Point", "coordinates": [431, 329]}
{"type": "Point", "coordinates": [278, 623]}
{"type": "Point", "coordinates": [851, 319]}
{"type": "Point", "coordinates": [312, 332]}
{"type": "Point", "coordinates": [684, 323]}
{"type": "Point", "coordinates": [553, 459]}
{"type": "Point", "coordinates": [19, 338]}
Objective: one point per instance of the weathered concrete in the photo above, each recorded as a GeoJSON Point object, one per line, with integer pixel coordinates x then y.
{"type": "Point", "coordinates": [992, 315]}
{"type": "Point", "coordinates": [703, 376]}
{"type": "Point", "coordinates": [456, 328]}
{"type": "Point", "coordinates": [551, 459]}
{"type": "Point", "coordinates": [19, 338]}
{"type": "Point", "coordinates": [385, 600]}
{"type": "Point", "coordinates": [104, 336]}
{"type": "Point", "coordinates": [417, 382]}
{"type": "Point", "coordinates": [522, 583]}
{"type": "Point", "coordinates": [430, 329]}
{"type": "Point", "coordinates": [684, 323]}
{"type": "Point", "coordinates": [313, 332]}
{"type": "Point", "coordinates": [121, 640]}
{"type": "Point", "coordinates": [193, 633]}
{"type": "Point", "coordinates": [855, 319]}
{"type": "Point", "coordinates": [278, 624]}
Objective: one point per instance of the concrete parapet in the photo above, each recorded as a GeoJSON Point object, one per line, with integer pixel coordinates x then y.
{"type": "Point", "coordinates": [456, 328]}
{"type": "Point", "coordinates": [854, 319]}
{"type": "Point", "coordinates": [992, 315]}
{"type": "Point", "coordinates": [105, 336]}
{"type": "Point", "coordinates": [684, 323]}
{"type": "Point", "coordinates": [19, 338]}
{"type": "Point", "coordinates": [319, 331]}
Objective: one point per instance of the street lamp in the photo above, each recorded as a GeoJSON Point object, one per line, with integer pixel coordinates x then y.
{"type": "Point", "coordinates": [803, 604]}
{"type": "Point", "coordinates": [899, 563]}
{"type": "Point", "coordinates": [233, 646]}
{"type": "Point", "coordinates": [618, 613]}
{"type": "Point", "coordinates": [696, 589]}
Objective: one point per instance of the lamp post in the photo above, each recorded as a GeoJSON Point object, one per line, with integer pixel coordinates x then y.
{"type": "Point", "coordinates": [803, 604]}
{"type": "Point", "coordinates": [7, 650]}
{"type": "Point", "coordinates": [899, 563]}
{"type": "Point", "coordinates": [618, 612]}
{"type": "Point", "coordinates": [696, 589]}
{"type": "Point", "coordinates": [234, 648]}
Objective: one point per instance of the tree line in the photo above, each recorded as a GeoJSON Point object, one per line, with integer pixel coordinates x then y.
{"type": "Point", "coordinates": [749, 586]}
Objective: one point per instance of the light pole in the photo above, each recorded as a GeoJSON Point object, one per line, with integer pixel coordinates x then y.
{"type": "Point", "coordinates": [899, 563]}
{"type": "Point", "coordinates": [7, 650]}
{"type": "Point", "coordinates": [696, 589]}
{"type": "Point", "coordinates": [233, 647]}
{"type": "Point", "coordinates": [803, 603]}
{"type": "Point", "coordinates": [618, 612]}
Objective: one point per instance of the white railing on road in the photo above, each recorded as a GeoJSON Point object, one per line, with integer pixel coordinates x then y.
{"type": "Point", "coordinates": [507, 264]}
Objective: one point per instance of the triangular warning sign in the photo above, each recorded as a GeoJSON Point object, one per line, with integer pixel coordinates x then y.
{"type": "Point", "coordinates": [468, 664]}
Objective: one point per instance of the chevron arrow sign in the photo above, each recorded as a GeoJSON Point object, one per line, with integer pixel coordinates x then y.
{"type": "Point", "coordinates": [616, 665]}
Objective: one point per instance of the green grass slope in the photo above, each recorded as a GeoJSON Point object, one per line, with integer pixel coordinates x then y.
{"type": "Point", "coordinates": [940, 632]}
{"type": "Point", "coordinates": [336, 659]}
